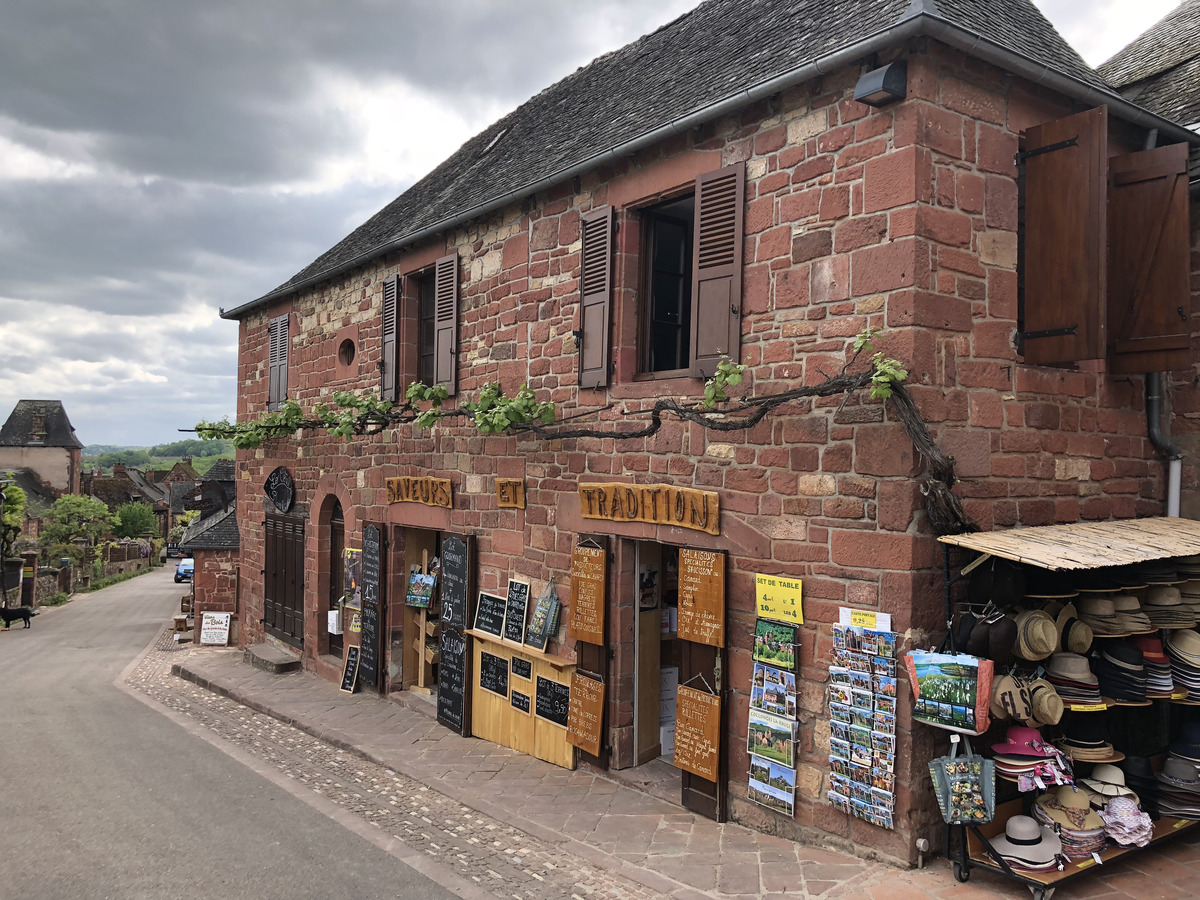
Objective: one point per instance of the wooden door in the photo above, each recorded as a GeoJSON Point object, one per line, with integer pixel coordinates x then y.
{"type": "Point", "coordinates": [337, 574]}
{"type": "Point", "coordinates": [283, 583]}
{"type": "Point", "coordinates": [592, 659]}
{"type": "Point", "coordinates": [703, 667]}
{"type": "Point", "coordinates": [649, 652]}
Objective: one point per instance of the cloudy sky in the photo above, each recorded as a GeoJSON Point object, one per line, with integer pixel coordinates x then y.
{"type": "Point", "coordinates": [160, 160]}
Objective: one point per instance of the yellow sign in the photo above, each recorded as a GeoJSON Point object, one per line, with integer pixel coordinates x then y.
{"type": "Point", "coordinates": [1088, 707]}
{"type": "Point", "coordinates": [779, 598]}
{"type": "Point", "coordinates": [863, 618]}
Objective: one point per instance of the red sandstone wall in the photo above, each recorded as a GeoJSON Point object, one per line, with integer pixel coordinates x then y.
{"type": "Point", "coordinates": [903, 218]}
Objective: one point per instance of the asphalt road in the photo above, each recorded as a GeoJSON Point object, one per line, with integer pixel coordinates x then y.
{"type": "Point", "coordinates": [102, 796]}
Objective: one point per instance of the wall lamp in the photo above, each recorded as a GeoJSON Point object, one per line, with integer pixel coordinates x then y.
{"type": "Point", "coordinates": [884, 85]}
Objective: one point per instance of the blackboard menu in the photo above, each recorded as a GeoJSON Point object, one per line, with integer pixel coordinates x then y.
{"type": "Point", "coordinates": [522, 667]}
{"type": "Point", "coordinates": [493, 673]}
{"type": "Point", "coordinates": [553, 701]}
{"type": "Point", "coordinates": [456, 580]}
{"type": "Point", "coordinates": [350, 673]}
{"type": "Point", "coordinates": [452, 680]}
{"type": "Point", "coordinates": [489, 615]}
{"type": "Point", "coordinates": [516, 607]}
{"type": "Point", "coordinates": [520, 701]}
{"type": "Point", "coordinates": [368, 663]}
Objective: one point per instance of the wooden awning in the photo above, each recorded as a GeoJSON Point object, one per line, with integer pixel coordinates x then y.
{"type": "Point", "coordinates": [1087, 545]}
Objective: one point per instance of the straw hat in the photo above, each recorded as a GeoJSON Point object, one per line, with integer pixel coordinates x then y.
{"type": "Point", "coordinates": [1101, 616]}
{"type": "Point", "coordinates": [1036, 635]}
{"type": "Point", "coordinates": [1073, 635]}
{"type": "Point", "coordinates": [1047, 705]}
{"type": "Point", "coordinates": [1028, 842]}
{"type": "Point", "coordinates": [1066, 807]}
{"type": "Point", "coordinates": [1108, 781]}
{"type": "Point", "coordinates": [1010, 699]}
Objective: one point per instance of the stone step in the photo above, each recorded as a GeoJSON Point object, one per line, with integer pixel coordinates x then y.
{"type": "Point", "coordinates": [271, 659]}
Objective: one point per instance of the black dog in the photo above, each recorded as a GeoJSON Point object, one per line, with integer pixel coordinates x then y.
{"type": "Point", "coordinates": [11, 615]}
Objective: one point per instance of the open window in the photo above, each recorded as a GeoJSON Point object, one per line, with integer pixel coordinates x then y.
{"type": "Point", "coordinates": [420, 328]}
{"type": "Point", "coordinates": [1104, 250]}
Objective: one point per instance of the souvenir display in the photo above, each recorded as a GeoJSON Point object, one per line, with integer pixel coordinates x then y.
{"type": "Point", "coordinates": [1079, 827]}
{"type": "Point", "coordinates": [965, 786]}
{"type": "Point", "coordinates": [775, 644]}
{"type": "Point", "coordinates": [950, 690]}
{"type": "Point", "coordinates": [1028, 846]}
{"type": "Point", "coordinates": [1125, 824]}
{"type": "Point", "coordinates": [863, 684]}
{"type": "Point", "coordinates": [773, 708]}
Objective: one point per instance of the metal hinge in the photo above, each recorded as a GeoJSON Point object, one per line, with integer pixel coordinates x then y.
{"type": "Point", "coordinates": [1047, 333]}
{"type": "Point", "coordinates": [1049, 148]}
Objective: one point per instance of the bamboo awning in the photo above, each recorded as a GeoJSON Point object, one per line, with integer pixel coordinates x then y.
{"type": "Point", "coordinates": [1087, 545]}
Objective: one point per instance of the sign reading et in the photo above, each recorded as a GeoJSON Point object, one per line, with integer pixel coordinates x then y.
{"type": "Point", "coordinates": [655, 504]}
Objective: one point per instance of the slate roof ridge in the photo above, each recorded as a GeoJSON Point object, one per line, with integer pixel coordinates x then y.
{"type": "Point", "coordinates": [59, 432]}
{"type": "Point", "coordinates": [1167, 44]}
{"type": "Point", "coordinates": [216, 532]}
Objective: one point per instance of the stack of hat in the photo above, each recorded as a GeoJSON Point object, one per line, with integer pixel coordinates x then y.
{"type": "Point", "coordinates": [1166, 609]}
{"type": "Point", "coordinates": [1028, 846]}
{"type": "Point", "coordinates": [1073, 679]}
{"type": "Point", "coordinates": [1087, 742]}
{"type": "Point", "coordinates": [988, 638]}
{"type": "Point", "coordinates": [1080, 827]}
{"type": "Point", "coordinates": [1100, 614]}
{"type": "Point", "coordinates": [1121, 672]}
{"type": "Point", "coordinates": [1047, 705]}
{"type": "Point", "coordinates": [1183, 647]}
{"type": "Point", "coordinates": [1074, 636]}
{"type": "Point", "coordinates": [1036, 635]}
{"type": "Point", "coordinates": [1189, 568]}
{"type": "Point", "coordinates": [1158, 665]}
{"type": "Point", "coordinates": [1140, 778]}
{"type": "Point", "coordinates": [1024, 753]}
{"type": "Point", "coordinates": [1129, 611]}
{"type": "Point", "coordinates": [1125, 824]}
{"type": "Point", "coordinates": [1105, 783]}
{"type": "Point", "coordinates": [1179, 793]}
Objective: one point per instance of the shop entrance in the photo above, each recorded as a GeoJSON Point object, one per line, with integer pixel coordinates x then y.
{"type": "Point", "coordinates": [663, 662]}
{"type": "Point", "coordinates": [283, 584]}
{"type": "Point", "coordinates": [419, 553]}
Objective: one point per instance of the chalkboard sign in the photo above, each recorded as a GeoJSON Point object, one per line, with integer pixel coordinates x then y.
{"type": "Point", "coordinates": [520, 702]}
{"type": "Point", "coordinates": [493, 673]}
{"type": "Point", "coordinates": [489, 616]}
{"type": "Point", "coordinates": [456, 581]}
{"type": "Point", "coordinates": [350, 673]}
{"type": "Point", "coordinates": [516, 607]}
{"type": "Point", "coordinates": [522, 667]}
{"type": "Point", "coordinates": [372, 558]}
{"type": "Point", "coordinates": [553, 701]}
{"type": "Point", "coordinates": [452, 680]}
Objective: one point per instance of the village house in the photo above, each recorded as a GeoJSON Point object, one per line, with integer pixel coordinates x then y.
{"type": "Point", "coordinates": [758, 182]}
{"type": "Point", "coordinates": [37, 435]}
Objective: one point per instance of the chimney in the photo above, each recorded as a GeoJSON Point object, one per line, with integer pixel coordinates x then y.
{"type": "Point", "coordinates": [187, 460]}
{"type": "Point", "coordinates": [119, 468]}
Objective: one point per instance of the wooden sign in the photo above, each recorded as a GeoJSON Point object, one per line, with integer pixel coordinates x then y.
{"type": "Point", "coordinates": [214, 628]}
{"type": "Point", "coordinates": [553, 701]}
{"type": "Point", "coordinates": [430, 491]}
{"type": "Point", "coordinates": [456, 580]}
{"type": "Point", "coordinates": [702, 596]}
{"type": "Point", "coordinates": [656, 504]}
{"type": "Point", "coordinates": [453, 657]}
{"type": "Point", "coordinates": [372, 566]}
{"type": "Point", "coordinates": [780, 599]}
{"type": "Point", "coordinates": [698, 732]}
{"type": "Point", "coordinates": [588, 580]}
{"type": "Point", "coordinates": [350, 671]}
{"type": "Point", "coordinates": [516, 609]}
{"type": "Point", "coordinates": [493, 673]}
{"type": "Point", "coordinates": [489, 614]}
{"type": "Point", "coordinates": [510, 493]}
{"type": "Point", "coordinates": [520, 702]}
{"type": "Point", "coordinates": [585, 713]}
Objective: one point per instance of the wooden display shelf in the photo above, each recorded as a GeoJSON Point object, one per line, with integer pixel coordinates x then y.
{"type": "Point", "coordinates": [558, 662]}
{"type": "Point", "coordinates": [1164, 828]}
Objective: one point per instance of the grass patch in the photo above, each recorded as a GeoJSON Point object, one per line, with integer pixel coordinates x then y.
{"type": "Point", "coordinates": [57, 600]}
{"type": "Point", "coordinates": [113, 579]}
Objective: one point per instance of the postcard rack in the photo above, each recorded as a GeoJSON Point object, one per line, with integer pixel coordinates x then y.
{"type": "Point", "coordinates": [969, 847]}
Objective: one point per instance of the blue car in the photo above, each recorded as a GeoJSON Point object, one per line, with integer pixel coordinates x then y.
{"type": "Point", "coordinates": [184, 569]}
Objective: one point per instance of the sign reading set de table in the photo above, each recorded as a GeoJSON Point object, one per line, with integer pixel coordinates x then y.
{"type": "Point", "coordinates": [697, 732]}
{"type": "Point", "coordinates": [780, 599]}
{"type": "Point", "coordinates": [214, 628]}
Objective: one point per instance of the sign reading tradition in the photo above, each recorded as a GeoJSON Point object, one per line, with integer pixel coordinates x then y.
{"type": "Point", "coordinates": [656, 504]}
{"type": "Point", "coordinates": [430, 491]}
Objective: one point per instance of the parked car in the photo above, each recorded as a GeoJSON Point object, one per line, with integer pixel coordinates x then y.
{"type": "Point", "coordinates": [184, 569]}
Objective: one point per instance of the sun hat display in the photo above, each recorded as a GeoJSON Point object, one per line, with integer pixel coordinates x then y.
{"type": "Point", "coordinates": [1028, 845]}
{"type": "Point", "coordinates": [1101, 616]}
{"type": "Point", "coordinates": [1074, 635]}
{"type": "Point", "coordinates": [1165, 607]}
{"type": "Point", "coordinates": [1125, 824]}
{"type": "Point", "coordinates": [1121, 672]}
{"type": "Point", "coordinates": [1187, 742]}
{"type": "Point", "coordinates": [1010, 699]}
{"type": "Point", "coordinates": [1081, 830]}
{"type": "Point", "coordinates": [1001, 638]}
{"type": "Point", "coordinates": [1141, 779]}
{"type": "Point", "coordinates": [1086, 741]}
{"type": "Point", "coordinates": [1158, 665]}
{"type": "Point", "coordinates": [1106, 782]}
{"type": "Point", "coordinates": [1183, 648]}
{"type": "Point", "coordinates": [1047, 705]}
{"type": "Point", "coordinates": [1036, 635]}
{"type": "Point", "coordinates": [1129, 611]}
{"type": "Point", "coordinates": [1073, 679]}
{"type": "Point", "coordinates": [1021, 740]}
{"type": "Point", "coordinates": [1179, 773]}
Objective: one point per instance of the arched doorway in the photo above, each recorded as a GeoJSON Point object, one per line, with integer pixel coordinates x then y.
{"type": "Point", "coordinates": [337, 563]}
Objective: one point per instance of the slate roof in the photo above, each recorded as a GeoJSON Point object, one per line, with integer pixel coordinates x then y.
{"type": "Point", "coordinates": [152, 492]}
{"type": "Point", "coordinates": [179, 492]}
{"type": "Point", "coordinates": [222, 470]}
{"type": "Point", "coordinates": [712, 54]}
{"type": "Point", "coordinates": [1160, 70]}
{"type": "Point", "coordinates": [217, 532]}
{"type": "Point", "coordinates": [17, 430]}
{"type": "Point", "coordinates": [38, 497]}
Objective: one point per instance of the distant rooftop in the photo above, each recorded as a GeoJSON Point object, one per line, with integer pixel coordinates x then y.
{"type": "Point", "coordinates": [39, 423]}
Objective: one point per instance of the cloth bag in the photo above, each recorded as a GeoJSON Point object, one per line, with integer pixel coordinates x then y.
{"type": "Point", "coordinates": [965, 786]}
{"type": "Point", "coordinates": [950, 690]}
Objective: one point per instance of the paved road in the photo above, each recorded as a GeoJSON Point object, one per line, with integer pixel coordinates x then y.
{"type": "Point", "coordinates": [102, 796]}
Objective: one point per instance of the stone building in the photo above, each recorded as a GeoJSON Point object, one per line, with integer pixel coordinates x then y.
{"type": "Point", "coordinates": [38, 435]}
{"type": "Point", "coordinates": [715, 190]}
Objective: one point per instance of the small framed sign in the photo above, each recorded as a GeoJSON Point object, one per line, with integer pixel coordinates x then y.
{"type": "Point", "coordinates": [520, 702]}
{"type": "Point", "coordinates": [489, 614]}
{"type": "Point", "coordinates": [516, 609]}
{"type": "Point", "coordinates": [214, 628]}
{"type": "Point", "coordinates": [350, 672]}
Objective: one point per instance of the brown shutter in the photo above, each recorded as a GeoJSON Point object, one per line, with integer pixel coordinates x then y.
{"type": "Point", "coordinates": [1066, 175]}
{"type": "Point", "coordinates": [277, 361]}
{"type": "Point", "coordinates": [391, 329]}
{"type": "Point", "coordinates": [1149, 295]}
{"type": "Point", "coordinates": [445, 323]}
{"type": "Point", "coordinates": [717, 269]}
{"type": "Point", "coordinates": [596, 300]}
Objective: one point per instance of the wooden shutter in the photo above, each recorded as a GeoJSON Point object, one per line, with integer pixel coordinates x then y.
{"type": "Point", "coordinates": [1066, 177]}
{"type": "Point", "coordinates": [717, 269]}
{"type": "Point", "coordinates": [1149, 295]}
{"type": "Point", "coordinates": [277, 361]}
{"type": "Point", "coordinates": [596, 297]}
{"type": "Point", "coordinates": [388, 359]}
{"type": "Point", "coordinates": [446, 323]}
